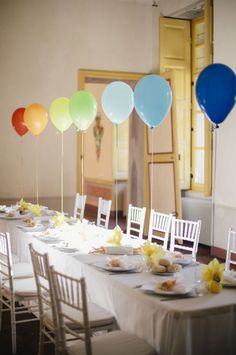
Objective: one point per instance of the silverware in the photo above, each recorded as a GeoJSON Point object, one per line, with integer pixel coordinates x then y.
{"type": "Point", "coordinates": [175, 298]}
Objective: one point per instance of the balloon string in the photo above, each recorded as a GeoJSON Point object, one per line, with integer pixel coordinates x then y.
{"type": "Point", "coordinates": [116, 174]}
{"type": "Point", "coordinates": [82, 162]}
{"type": "Point", "coordinates": [213, 190]}
{"type": "Point", "coordinates": [36, 170]}
{"type": "Point", "coordinates": [62, 171]}
{"type": "Point", "coordinates": [151, 170]}
{"type": "Point", "coordinates": [21, 167]}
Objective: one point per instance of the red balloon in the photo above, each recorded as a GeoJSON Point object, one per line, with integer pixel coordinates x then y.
{"type": "Point", "coordinates": [18, 122]}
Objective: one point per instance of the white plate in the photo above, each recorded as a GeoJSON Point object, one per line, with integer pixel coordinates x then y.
{"type": "Point", "coordinates": [47, 239]}
{"type": "Point", "coordinates": [66, 249]}
{"type": "Point", "coordinates": [151, 288]}
{"type": "Point", "coordinates": [106, 267]}
{"type": "Point", "coordinates": [17, 216]}
{"type": "Point", "coordinates": [37, 228]}
{"type": "Point", "coordinates": [163, 273]}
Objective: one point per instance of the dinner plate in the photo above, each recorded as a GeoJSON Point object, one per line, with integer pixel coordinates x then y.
{"type": "Point", "coordinates": [163, 273]}
{"type": "Point", "coordinates": [17, 216]}
{"type": "Point", "coordinates": [183, 289]}
{"type": "Point", "coordinates": [48, 239]}
{"type": "Point", "coordinates": [66, 249]}
{"type": "Point", "coordinates": [126, 268]}
{"type": "Point", "coordinates": [36, 228]}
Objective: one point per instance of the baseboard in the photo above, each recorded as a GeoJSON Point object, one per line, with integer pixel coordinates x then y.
{"type": "Point", "coordinates": [92, 210]}
{"type": "Point", "coordinates": [221, 253]}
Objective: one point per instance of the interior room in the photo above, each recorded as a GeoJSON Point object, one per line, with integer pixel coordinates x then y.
{"type": "Point", "coordinates": [182, 168]}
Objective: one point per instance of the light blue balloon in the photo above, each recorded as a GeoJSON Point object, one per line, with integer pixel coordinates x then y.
{"type": "Point", "coordinates": [117, 101]}
{"type": "Point", "coordinates": [152, 99]}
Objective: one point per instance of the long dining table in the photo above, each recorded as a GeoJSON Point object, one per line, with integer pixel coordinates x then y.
{"type": "Point", "coordinates": [173, 326]}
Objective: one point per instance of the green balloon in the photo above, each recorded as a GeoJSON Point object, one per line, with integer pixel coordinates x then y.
{"type": "Point", "coordinates": [59, 113]}
{"type": "Point", "coordinates": [83, 109]}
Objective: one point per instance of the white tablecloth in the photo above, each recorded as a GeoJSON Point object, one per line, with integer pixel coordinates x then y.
{"type": "Point", "coordinates": [205, 325]}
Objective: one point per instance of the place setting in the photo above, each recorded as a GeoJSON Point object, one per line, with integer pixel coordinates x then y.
{"type": "Point", "coordinates": [117, 265]}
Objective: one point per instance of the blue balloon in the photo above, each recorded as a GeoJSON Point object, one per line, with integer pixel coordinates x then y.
{"type": "Point", "coordinates": [216, 91]}
{"type": "Point", "coordinates": [152, 99]}
{"type": "Point", "coordinates": [117, 101]}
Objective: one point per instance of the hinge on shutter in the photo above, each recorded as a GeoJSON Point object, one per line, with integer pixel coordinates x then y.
{"type": "Point", "coordinates": [191, 176]}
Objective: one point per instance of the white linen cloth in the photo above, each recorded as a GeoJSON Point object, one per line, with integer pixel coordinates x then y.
{"type": "Point", "coordinates": [205, 325]}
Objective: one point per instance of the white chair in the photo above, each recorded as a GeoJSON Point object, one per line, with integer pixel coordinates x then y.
{"type": "Point", "coordinates": [99, 318]}
{"type": "Point", "coordinates": [80, 201]}
{"type": "Point", "coordinates": [12, 290]}
{"type": "Point", "coordinates": [159, 227]}
{"type": "Point", "coordinates": [231, 249]}
{"type": "Point", "coordinates": [71, 292]}
{"type": "Point", "coordinates": [185, 232]}
{"type": "Point", "coordinates": [135, 221]}
{"type": "Point", "coordinates": [104, 210]}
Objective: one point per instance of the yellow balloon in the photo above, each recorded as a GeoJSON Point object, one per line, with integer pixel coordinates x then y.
{"type": "Point", "coordinates": [36, 118]}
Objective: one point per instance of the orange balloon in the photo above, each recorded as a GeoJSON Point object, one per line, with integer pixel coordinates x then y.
{"type": "Point", "coordinates": [36, 118]}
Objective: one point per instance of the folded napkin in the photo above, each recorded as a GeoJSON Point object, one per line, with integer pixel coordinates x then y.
{"type": "Point", "coordinates": [229, 277]}
{"type": "Point", "coordinates": [119, 249]}
{"type": "Point", "coordinates": [116, 237]}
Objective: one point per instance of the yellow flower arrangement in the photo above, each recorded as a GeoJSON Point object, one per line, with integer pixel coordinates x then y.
{"type": "Point", "coordinates": [35, 209]}
{"type": "Point", "coordinates": [213, 275]}
{"type": "Point", "coordinates": [152, 252]}
{"type": "Point", "coordinates": [116, 237]}
{"type": "Point", "coordinates": [59, 219]}
{"type": "Point", "coordinates": [24, 205]}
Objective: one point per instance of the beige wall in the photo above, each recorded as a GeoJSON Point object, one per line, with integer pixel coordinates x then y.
{"type": "Point", "coordinates": [42, 45]}
{"type": "Point", "coordinates": [225, 189]}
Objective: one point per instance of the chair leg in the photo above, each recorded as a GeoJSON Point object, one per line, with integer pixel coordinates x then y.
{"type": "Point", "coordinates": [0, 314]}
{"type": "Point", "coordinates": [41, 338]}
{"type": "Point", "coordinates": [13, 326]}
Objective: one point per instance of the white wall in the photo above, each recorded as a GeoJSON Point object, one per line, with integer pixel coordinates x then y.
{"type": "Point", "coordinates": [225, 188]}
{"type": "Point", "coordinates": [42, 46]}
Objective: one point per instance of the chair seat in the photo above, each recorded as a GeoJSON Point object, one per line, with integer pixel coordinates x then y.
{"type": "Point", "coordinates": [115, 343]}
{"type": "Point", "coordinates": [22, 288]}
{"type": "Point", "coordinates": [98, 317]}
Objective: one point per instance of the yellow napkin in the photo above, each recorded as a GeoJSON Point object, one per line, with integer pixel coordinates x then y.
{"type": "Point", "coordinates": [116, 237]}
{"type": "Point", "coordinates": [213, 275]}
{"type": "Point", "coordinates": [152, 252]}
{"type": "Point", "coordinates": [24, 205]}
{"type": "Point", "coordinates": [59, 219]}
{"type": "Point", "coordinates": [35, 209]}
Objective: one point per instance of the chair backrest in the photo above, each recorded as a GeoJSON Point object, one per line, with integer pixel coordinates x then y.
{"type": "Point", "coordinates": [159, 227]}
{"type": "Point", "coordinates": [45, 295]}
{"type": "Point", "coordinates": [104, 210]}
{"type": "Point", "coordinates": [185, 232]}
{"type": "Point", "coordinates": [6, 272]}
{"type": "Point", "coordinates": [80, 201]}
{"type": "Point", "coordinates": [231, 249]}
{"type": "Point", "coordinates": [135, 221]}
{"type": "Point", "coordinates": [72, 308]}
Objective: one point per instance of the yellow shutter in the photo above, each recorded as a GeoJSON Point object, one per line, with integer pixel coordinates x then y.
{"type": "Point", "coordinates": [175, 55]}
